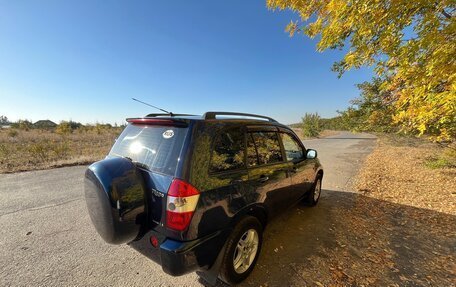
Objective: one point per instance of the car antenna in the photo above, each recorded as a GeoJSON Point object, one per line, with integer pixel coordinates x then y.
{"type": "Point", "coordinates": [170, 113]}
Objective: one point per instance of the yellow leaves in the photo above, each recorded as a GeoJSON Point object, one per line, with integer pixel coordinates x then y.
{"type": "Point", "coordinates": [291, 28]}
{"type": "Point", "coordinates": [422, 128]}
{"type": "Point", "coordinates": [375, 118]}
{"type": "Point", "coordinates": [276, 4]}
{"type": "Point", "coordinates": [350, 58]}
{"type": "Point", "coordinates": [411, 44]}
{"type": "Point", "coordinates": [313, 28]}
{"type": "Point", "coordinates": [336, 6]}
{"type": "Point", "coordinates": [427, 112]}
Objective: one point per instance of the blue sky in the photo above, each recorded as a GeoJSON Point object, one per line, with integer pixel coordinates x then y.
{"type": "Point", "coordinates": [84, 60]}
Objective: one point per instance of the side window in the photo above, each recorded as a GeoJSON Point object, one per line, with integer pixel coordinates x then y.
{"type": "Point", "coordinates": [228, 153]}
{"type": "Point", "coordinates": [293, 150]}
{"type": "Point", "coordinates": [267, 146]}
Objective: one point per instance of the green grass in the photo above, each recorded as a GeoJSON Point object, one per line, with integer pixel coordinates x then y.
{"type": "Point", "coordinates": [445, 159]}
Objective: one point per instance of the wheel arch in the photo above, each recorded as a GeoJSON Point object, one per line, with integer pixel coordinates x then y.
{"type": "Point", "coordinates": [256, 210]}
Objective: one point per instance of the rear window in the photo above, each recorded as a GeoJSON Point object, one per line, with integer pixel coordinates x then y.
{"type": "Point", "coordinates": [156, 148]}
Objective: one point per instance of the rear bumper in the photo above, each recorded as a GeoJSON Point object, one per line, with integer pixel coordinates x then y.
{"type": "Point", "coordinates": [178, 257]}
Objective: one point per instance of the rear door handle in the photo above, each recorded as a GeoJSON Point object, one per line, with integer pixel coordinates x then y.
{"type": "Point", "coordinates": [236, 181]}
{"type": "Point", "coordinates": [263, 178]}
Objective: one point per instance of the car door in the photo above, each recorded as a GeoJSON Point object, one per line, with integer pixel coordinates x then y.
{"type": "Point", "coordinates": [268, 170]}
{"type": "Point", "coordinates": [302, 171]}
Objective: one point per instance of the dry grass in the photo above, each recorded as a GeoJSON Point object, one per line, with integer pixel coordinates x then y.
{"type": "Point", "coordinates": [398, 171]}
{"type": "Point", "coordinates": [40, 149]}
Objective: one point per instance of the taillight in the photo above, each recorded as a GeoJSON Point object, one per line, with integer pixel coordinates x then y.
{"type": "Point", "coordinates": [181, 203]}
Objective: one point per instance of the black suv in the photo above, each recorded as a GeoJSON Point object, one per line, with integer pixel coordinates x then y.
{"type": "Point", "coordinates": [194, 193]}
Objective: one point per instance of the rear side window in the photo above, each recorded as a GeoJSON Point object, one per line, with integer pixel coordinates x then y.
{"type": "Point", "coordinates": [228, 153]}
{"type": "Point", "coordinates": [156, 148]}
{"type": "Point", "coordinates": [267, 147]}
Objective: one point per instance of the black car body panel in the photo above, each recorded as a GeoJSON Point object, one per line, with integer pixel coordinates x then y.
{"type": "Point", "coordinates": [127, 193]}
{"type": "Point", "coordinates": [181, 257]}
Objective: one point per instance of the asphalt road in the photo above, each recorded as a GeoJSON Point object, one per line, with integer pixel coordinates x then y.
{"type": "Point", "coordinates": [48, 240]}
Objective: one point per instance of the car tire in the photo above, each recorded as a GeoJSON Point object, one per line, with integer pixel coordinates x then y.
{"type": "Point", "coordinates": [248, 231]}
{"type": "Point", "coordinates": [314, 195]}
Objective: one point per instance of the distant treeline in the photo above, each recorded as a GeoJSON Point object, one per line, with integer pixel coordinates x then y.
{"type": "Point", "coordinates": [64, 127]}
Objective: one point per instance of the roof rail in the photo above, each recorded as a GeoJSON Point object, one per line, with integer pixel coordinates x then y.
{"type": "Point", "coordinates": [166, 115]}
{"type": "Point", "coordinates": [213, 115]}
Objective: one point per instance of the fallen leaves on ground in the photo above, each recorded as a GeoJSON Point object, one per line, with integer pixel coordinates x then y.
{"type": "Point", "coordinates": [396, 172]}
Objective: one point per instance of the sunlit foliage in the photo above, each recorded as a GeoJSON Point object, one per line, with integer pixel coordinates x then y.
{"type": "Point", "coordinates": [411, 45]}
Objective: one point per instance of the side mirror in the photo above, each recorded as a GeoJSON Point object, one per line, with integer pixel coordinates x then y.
{"type": "Point", "coordinates": [311, 154]}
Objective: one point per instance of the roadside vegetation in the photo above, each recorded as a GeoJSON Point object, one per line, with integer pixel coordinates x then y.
{"type": "Point", "coordinates": [313, 126]}
{"type": "Point", "coordinates": [23, 146]}
{"type": "Point", "coordinates": [368, 113]}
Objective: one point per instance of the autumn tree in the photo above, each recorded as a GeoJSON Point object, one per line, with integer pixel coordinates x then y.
{"type": "Point", "coordinates": [411, 44]}
{"type": "Point", "coordinates": [371, 111]}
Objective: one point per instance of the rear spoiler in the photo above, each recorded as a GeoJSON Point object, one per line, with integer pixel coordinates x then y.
{"type": "Point", "coordinates": [157, 122]}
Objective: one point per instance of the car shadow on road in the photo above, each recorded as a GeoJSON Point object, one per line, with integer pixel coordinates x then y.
{"type": "Point", "coordinates": [350, 239]}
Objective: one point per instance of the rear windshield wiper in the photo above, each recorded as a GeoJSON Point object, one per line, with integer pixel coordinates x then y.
{"type": "Point", "coordinates": [141, 165]}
